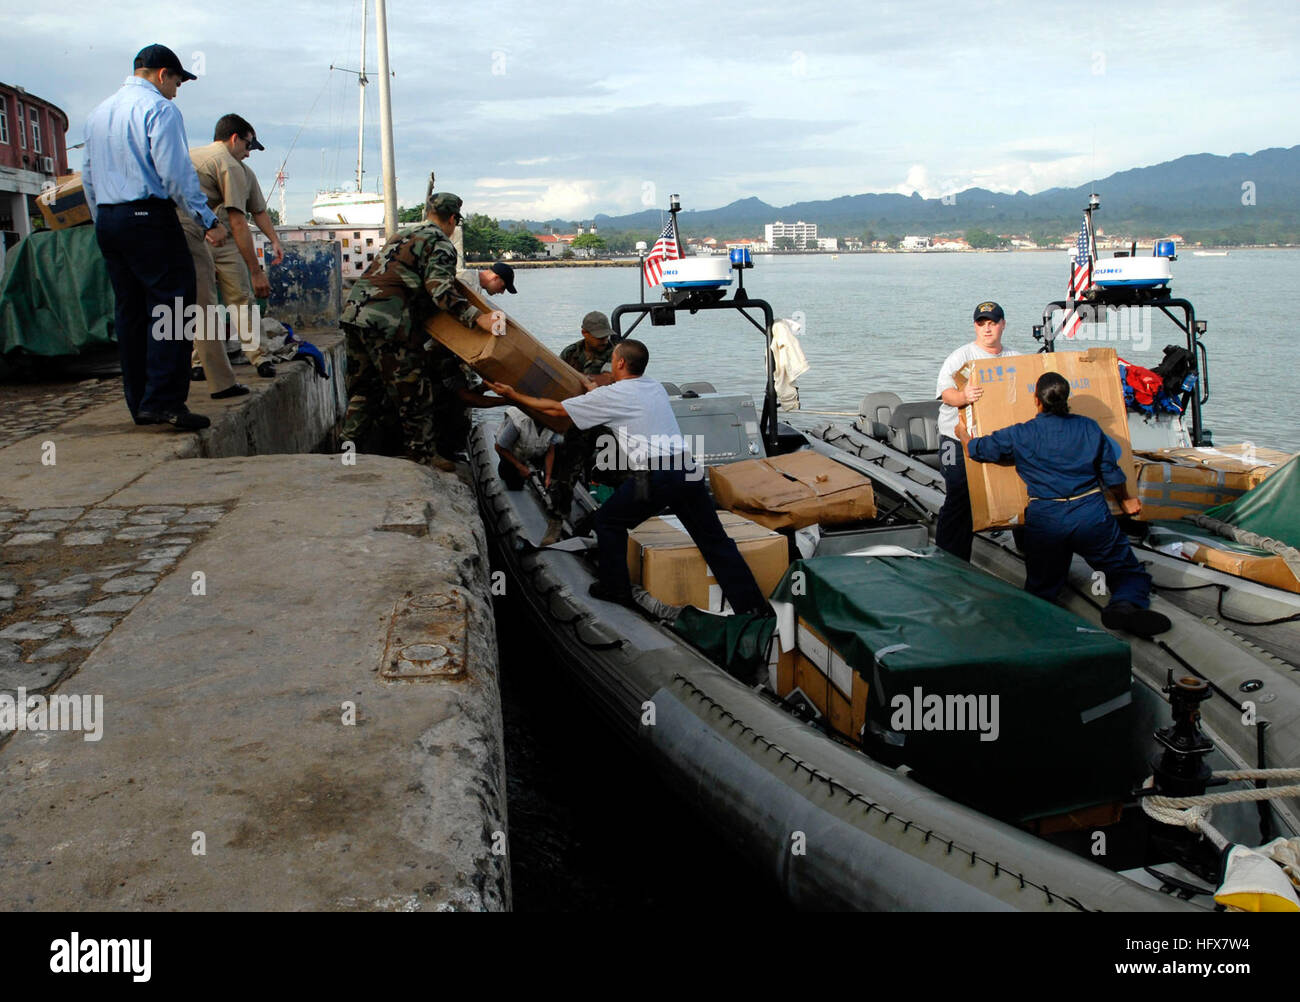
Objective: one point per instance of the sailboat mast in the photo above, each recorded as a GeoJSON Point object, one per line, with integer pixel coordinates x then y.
{"type": "Point", "coordinates": [361, 117]}
{"type": "Point", "coordinates": [386, 122]}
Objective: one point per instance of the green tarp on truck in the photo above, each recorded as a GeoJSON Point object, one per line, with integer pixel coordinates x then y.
{"type": "Point", "coordinates": [55, 298]}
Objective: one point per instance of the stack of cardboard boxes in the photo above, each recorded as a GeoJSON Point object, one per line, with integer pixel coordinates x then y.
{"type": "Point", "coordinates": [1173, 483]}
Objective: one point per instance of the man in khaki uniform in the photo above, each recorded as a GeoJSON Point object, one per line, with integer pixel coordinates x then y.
{"type": "Point", "coordinates": [237, 260]}
{"type": "Point", "coordinates": [223, 183]}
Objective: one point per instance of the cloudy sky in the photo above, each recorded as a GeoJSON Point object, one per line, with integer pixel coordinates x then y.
{"type": "Point", "coordinates": [566, 109]}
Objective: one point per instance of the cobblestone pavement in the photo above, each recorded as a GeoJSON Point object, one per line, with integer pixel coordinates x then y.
{"type": "Point", "coordinates": [68, 576]}
{"type": "Point", "coordinates": [34, 408]}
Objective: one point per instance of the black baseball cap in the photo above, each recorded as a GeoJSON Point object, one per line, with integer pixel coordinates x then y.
{"type": "Point", "coordinates": [506, 273]}
{"type": "Point", "coordinates": [253, 144]}
{"type": "Point", "coordinates": [159, 57]}
{"type": "Point", "coordinates": [989, 310]}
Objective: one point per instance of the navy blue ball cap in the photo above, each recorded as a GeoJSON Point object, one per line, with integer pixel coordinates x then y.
{"type": "Point", "coordinates": [506, 274]}
{"type": "Point", "coordinates": [989, 311]}
{"type": "Point", "coordinates": [159, 57]}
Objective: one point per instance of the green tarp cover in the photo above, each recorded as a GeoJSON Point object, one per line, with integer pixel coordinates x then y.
{"type": "Point", "coordinates": [737, 643]}
{"type": "Point", "coordinates": [1271, 509]}
{"type": "Point", "coordinates": [933, 626]}
{"type": "Point", "coordinates": [56, 298]}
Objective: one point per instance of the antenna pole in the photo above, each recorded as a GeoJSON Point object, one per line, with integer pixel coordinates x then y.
{"type": "Point", "coordinates": [361, 115]}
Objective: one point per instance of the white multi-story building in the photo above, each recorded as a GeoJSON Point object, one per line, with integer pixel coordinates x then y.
{"type": "Point", "coordinates": [801, 233]}
{"type": "Point", "coordinates": [828, 243]}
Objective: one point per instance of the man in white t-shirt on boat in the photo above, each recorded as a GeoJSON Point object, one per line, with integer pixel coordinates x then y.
{"type": "Point", "coordinates": [664, 475]}
{"type": "Point", "coordinates": [955, 531]}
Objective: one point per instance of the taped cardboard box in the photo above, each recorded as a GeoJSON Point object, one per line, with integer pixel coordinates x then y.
{"type": "Point", "coordinates": [662, 559]}
{"type": "Point", "coordinates": [828, 682]}
{"type": "Point", "coordinates": [794, 491]}
{"type": "Point", "coordinates": [997, 494]}
{"type": "Point", "coordinates": [1173, 483]}
{"type": "Point", "coordinates": [64, 204]}
{"type": "Point", "coordinates": [514, 357]}
{"type": "Point", "coordinates": [1266, 569]}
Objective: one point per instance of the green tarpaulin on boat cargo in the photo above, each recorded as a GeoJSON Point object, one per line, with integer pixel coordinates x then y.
{"type": "Point", "coordinates": [1034, 709]}
{"type": "Point", "coordinates": [737, 643]}
{"type": "Point", "coordinates": [55, 298]}
{"type": "Point", "coordinates": [1271, 509]}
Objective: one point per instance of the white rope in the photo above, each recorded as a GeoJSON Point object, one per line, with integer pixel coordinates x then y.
{"type": "Point", "coordinates": [1194, 812]}
{"type": "Point", "coordinates": [1228, 797]}
{"type": "Point", "coordinates": [1257, 774]}
{"type": "Point", "coordinates": [1194, 818]}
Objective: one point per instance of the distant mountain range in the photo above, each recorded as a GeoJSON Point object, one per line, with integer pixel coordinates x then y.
{"type": "Point", "coordinates": [1255, 193]}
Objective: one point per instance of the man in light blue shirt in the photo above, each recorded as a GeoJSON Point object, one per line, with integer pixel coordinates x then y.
{"type": "Point", "coordinates": [136, 169]}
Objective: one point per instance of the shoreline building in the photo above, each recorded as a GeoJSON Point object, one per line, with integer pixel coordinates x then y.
{"type": "Point", "coordinates": [801, 233]}
{"type": "Point", "coordinates": [33, 152]}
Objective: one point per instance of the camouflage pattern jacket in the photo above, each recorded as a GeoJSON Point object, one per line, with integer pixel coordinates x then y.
{"type": "Point", "coordinates": [576, 355]}
{"type": "Point", "coordinates": [411, 278]}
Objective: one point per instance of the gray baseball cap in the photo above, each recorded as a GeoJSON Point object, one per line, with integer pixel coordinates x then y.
{"type": "Point", "coordinates": [596, 324]}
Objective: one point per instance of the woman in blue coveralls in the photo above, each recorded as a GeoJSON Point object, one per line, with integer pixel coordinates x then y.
{"type": "Point", "coordinates": [1067, 462]}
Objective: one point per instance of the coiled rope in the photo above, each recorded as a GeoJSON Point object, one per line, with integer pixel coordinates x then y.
{"type": "Point", "coordinates": [1194, 812]}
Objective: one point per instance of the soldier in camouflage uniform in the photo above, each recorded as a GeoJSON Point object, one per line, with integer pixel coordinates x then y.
{"type": "Point", "coordinates": [596, 349]}
{"type": "Point", "coordinates": [592, 356]}
{"type": "Point", "coordinates": [396, 372]}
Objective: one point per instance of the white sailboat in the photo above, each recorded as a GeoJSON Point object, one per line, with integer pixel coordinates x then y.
{"type": "Point", "coordinates": [353, 207]}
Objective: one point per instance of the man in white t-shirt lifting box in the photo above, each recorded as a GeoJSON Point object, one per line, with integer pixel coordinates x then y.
{"type": "Point", "coordinates": [665, 475]}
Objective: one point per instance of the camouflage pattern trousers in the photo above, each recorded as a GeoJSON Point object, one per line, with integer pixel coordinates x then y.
{"type": "Point", "coordinates": [391, 394]}
{"type": "Point", "coordinates": [403, 399]}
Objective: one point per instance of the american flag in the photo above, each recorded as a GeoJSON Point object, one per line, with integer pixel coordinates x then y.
{"type": "Point", "coordinates": [1080, 281]}
{"type": "Point", "coordinates": [666, 248]}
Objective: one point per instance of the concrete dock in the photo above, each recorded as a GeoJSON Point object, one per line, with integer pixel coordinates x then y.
{"type": "Point", "coordinates": [293, 654]}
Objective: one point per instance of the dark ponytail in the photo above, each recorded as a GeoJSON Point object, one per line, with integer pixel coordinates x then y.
{"type": "Point", "coordinates": [1053, 392]}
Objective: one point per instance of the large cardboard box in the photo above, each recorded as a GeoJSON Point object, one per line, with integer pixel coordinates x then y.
{"type": "Point", "coordinates": [662, 559]}
{"type": "Point", "coordinates": [793, 491]}
{"type": "Point", "coordinates": [1173, 483]}
{"type": "Point", "coordinates": [514, 357]}
{"type": "Point", "coordinates": [997, 494]}
{"type": "Point", "coordinates": [64, 204]}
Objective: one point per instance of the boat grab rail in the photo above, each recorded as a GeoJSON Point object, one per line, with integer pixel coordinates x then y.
{"type": "Point", "coordinates": [815, 774]}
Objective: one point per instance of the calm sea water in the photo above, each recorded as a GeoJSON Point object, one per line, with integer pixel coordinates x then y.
{"type": "Point", "coordinates": [886, 321]}
{"type": "Point", "coordinates": [592, 828]}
